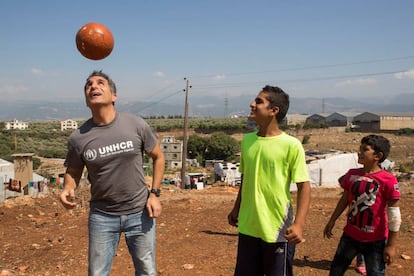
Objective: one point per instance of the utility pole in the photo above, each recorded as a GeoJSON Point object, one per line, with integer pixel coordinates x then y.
{"type": "Point", "coordinates": [323, 105]}
{"type": "Point", "coordinates": [184, 153]}
{"type": "Point", "coordinates": [226, 104]}
{"type": "Point", "coordinates": [15, 141]}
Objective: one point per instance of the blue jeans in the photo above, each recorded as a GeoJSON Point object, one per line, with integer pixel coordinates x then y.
{"type": "Point", "coordinates": [104, 234]}
{"type": "Point", "coordinates": [348, 248]}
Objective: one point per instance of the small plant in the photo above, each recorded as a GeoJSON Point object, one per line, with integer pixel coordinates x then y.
{"type": "Point", "coordinates": [305, 139]}
{"type": "Point", "coordinates": [405, 228]}
{"type": "Point", "coordinates": [405, 167]}
{"type": "Point", "coordinates": [406, 131]}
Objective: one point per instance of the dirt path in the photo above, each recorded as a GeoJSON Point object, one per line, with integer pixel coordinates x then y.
{"type": "Point", "coordinates": [39, 237]}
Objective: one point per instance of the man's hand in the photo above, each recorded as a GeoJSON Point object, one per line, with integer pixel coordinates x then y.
{"type": "Point", "coordinates": [67, 198]}
{"type": "Point", "coordinates": [154, 206]}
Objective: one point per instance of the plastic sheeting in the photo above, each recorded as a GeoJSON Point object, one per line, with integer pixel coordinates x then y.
{"type": "Point", "coordinates": [325, 171]}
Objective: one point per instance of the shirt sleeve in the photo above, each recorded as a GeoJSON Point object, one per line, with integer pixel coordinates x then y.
{"type": "Point", "coordinates": [392, 188]}
{"type": "Point", "coordinates": [300, 169]}
{"type": "Point", "coordinates": [73, 157]}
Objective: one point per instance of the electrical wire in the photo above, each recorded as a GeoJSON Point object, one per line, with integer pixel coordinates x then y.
{"type": "Point", "coordinates": [240, 84]}
{"type": "Point", "coordinates": [157, 102]}
{"type": "Point", "coordinates": [301, 80]}
{"type": "Point", "coordinates": [309, 67]}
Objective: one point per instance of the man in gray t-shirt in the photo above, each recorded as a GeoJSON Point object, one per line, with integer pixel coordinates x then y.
{"type": "Point", "coordinates": [111, 146]}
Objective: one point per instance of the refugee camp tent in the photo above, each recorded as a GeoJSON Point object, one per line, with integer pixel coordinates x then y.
{"type": "Point", "coordinates": [325, 169]}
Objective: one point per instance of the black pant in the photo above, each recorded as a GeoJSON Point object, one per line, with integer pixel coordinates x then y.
{"type": "Point", "coordinates": [348, 248]}
{"type": "Point", "coordinates": [256, 257]}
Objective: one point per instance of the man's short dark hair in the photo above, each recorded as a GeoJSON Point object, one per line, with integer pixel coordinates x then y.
{"type": "Point", "coordinates": [99, 73]}
{"type": "Point", "coordinates": [277, 97]}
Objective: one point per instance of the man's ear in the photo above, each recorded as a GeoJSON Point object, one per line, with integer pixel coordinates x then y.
{"type": "Point", "coordinates": [114, 97]}
{"type": "Point", "coordinates": [275, 110]}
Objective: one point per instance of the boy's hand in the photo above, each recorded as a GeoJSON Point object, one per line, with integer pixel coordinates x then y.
{"type": "Point", "coordinates": [294, 234]}
{"type": "Point", "coordinates": [389, 254]}
{"type": "Point", "coordinates": [233, 218]}
{"type": "Point", "coordinates": [327, 232]}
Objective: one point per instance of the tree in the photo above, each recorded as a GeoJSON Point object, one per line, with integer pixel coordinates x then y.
{"type": "Point", "coordinates": [36, 163]}
{"type": "Point", "coordinates": [221, 146]}
{"type": "Point", "coordinates": [196, 146]}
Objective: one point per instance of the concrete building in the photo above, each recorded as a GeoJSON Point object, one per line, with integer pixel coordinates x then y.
{"type": "Point", "coordinates": [383, 121]}
{"type": "Point", "coordinates": [172, 150]}
{"type": "Point", "coordinates": [296, 119]}
{"type": "Point", "coordinates": [68, 124]}
{"type": "Point", "coordinates": [16, 124]}
{"type": "Point", "coordinates": [20, 170]}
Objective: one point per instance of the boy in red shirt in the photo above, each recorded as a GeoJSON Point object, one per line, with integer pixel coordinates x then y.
{"type": "Point", "coordinates": [373, 220]}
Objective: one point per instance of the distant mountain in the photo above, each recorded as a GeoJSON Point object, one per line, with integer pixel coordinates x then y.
{"type": "Point", "coordinates": [202, 106]}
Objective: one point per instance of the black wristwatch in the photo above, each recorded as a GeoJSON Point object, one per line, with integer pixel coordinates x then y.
{"type": "Point", "coordinates": [156, 192]}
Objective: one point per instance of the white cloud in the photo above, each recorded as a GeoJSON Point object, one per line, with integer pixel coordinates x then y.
{"type": "Point", "coordinates": [405, 75]}
{"type": "Point", "coordinates": [356, 82]}
{"type": "Point", "coordinates": [206, 106]}
{"type": "Point", "coordinates": [12, 88]}
{"type": "Point", "coordinates": [159, 74]}
{"type": "Point", "coordinates": [40, 72]}
{"type": "Point", "coordinates": [37, 72]}
{"type": "Point", "coordinates": [219, 77]}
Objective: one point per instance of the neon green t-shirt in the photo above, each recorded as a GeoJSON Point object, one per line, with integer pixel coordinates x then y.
{"type": "Point", "coordinates": [269, 165]}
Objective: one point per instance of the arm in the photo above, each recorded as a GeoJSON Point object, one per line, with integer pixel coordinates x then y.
{"type": "Point", "coordinates": [390, 247]}
{"type": "Point", "coordinates": [294, 232]}
{"type": "Point", "coordinates": [153, 202]}
{"type": "Point", "coordinates": [340, 207]}
{"type": "Point", "coordinates": [234, 214]}
{"type": "Point", "coordinates": [71, 181]}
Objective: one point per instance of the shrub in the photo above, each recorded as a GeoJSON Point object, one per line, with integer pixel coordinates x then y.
{"type": "Point", "coordinates": [305, 139]}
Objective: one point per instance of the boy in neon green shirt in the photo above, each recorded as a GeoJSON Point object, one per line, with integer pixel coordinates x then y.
{"type": "Point", "coordinates": [271, 160]}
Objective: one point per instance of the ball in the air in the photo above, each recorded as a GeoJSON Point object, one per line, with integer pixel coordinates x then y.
{"type": "Point", "coordinates": [94, 41]}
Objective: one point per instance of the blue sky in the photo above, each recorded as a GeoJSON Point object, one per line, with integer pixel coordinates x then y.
{"type": "Point", "coordinates": [225, 48]}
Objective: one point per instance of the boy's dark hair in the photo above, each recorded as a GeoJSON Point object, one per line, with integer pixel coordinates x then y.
{"type": "Point", "coordinates": [378, 144]}
{"type": "Point", "coordinates": [277, 97]}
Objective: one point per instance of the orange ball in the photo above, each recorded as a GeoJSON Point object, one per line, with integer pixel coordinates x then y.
{"type": "Point", "coordinates": [94, 41]}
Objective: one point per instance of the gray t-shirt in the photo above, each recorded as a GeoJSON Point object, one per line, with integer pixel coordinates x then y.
{"type": "Point", "coordinates": [113, 155]}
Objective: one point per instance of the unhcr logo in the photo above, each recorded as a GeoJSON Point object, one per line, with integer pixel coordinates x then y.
{"type": "Point", "coordinates": [116, 148]}
{"type": "Point", "coordinates": [105, 151]}
{"type": "Point", "coordinates": [90, 155]}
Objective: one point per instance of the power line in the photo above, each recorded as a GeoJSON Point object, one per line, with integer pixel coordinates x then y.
{"type": "Point", "coordinates": [163, 99]}
{"type": "Point", "coordinates": [241, 84]}
{"type": "Point", "coordinates": [301, 80]}
{"type": "Point", "coordinates": [310, 67]}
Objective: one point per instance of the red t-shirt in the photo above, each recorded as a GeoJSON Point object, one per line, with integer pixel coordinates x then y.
{"type": "Point", "coordinates": [369, 194]}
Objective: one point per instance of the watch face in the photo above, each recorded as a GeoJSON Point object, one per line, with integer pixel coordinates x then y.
{"type": "Point", "coordinates": [156, 192]}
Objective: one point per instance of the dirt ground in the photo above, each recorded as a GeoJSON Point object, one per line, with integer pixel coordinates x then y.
{"type": "Point", "coordinates": [39, 237]}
